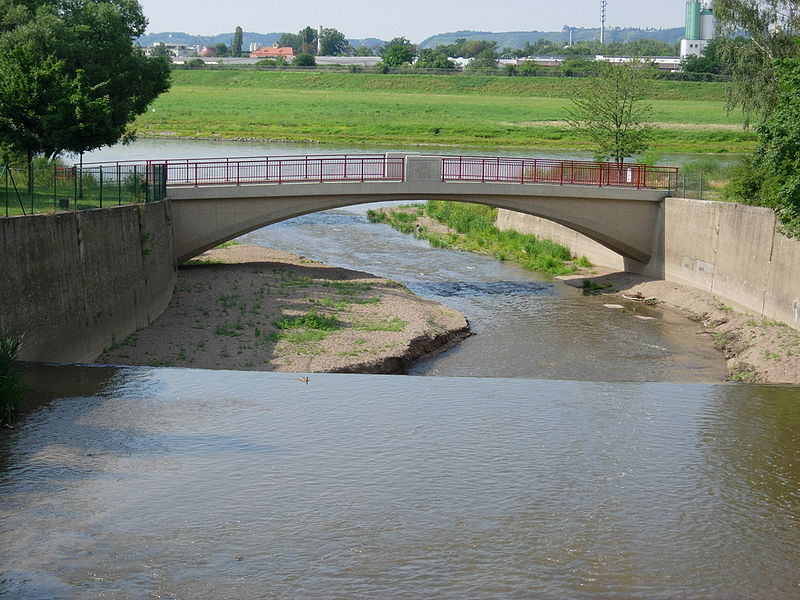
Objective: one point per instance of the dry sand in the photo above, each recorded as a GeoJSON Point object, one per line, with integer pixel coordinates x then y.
{"type": "Point", "coordinates": [227, 301]}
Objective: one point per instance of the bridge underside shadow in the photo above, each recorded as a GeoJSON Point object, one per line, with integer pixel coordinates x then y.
{"type": "Point", "coordinates": [623, 220]}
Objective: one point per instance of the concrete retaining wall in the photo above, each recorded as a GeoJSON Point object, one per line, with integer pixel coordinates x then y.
{"type": "Point", "coordinates": [730, 250]}
{"type": "Point", "coordinates": [75, 283]}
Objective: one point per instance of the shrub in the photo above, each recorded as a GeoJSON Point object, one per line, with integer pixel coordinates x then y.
{"type": "Point", "coordinates": [12, 388]}
{"type": "Point", "coordinates": [304, 60]}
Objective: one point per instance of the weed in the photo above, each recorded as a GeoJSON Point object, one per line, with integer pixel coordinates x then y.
{"type": "Point", "coordinates": [348, 288]}
{"type": "Point", "coordinates": [393, 324]}
{"type": "Point", "coordinates": [229, 330]}
{"type": "Point", "coordinates": [311, 320]}
{"type": "Point", "coordinates": [721, 341]}
{"type": "Point", "coordinates": [12, 388]}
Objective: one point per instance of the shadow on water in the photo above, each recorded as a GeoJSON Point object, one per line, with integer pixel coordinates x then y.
{"type": "Point", "coordinates": [63, 408]}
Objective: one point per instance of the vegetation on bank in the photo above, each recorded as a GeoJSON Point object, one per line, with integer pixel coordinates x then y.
{"type": "Point", "coordinates": [473, 229]}
{"type": "Point", "coordinates": [12, 388]}
{"type": "Point", "coordinates": [466, 110]}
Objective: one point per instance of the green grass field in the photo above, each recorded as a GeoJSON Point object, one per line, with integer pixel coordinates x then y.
{"type": "Point", "coordinates": [460, 110]}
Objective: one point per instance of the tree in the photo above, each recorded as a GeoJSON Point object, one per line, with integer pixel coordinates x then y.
{"type": "Point", "coordinates": [364, 51]}
{"type": "Point", "coordinates": [486, 59]}
{"type": "Point", "coordinates": [236, 46]}
{"type": "Point", "coordinates": [308, 40]}
{"type": "Point", "coordinates": [707, 63]}
{"type": "Point", "coordinates": [222, 49]}
{"type": "Point", "coordinates": [398, 51]}
{"type": "Point", "coordinates": [332, 43]}
{"type": "Point", "coordinates": [770, 26]}
{"type": "Point", "coordinates": [433, 59]}
{"type": "Point", "coordinates": [772, 176]}
{"type": "Point", "coordinates": [290, 40]}
{"type": "Point", "coordinates": [70, 77]}
{"type": "Point", "coordinates": [610, 110]}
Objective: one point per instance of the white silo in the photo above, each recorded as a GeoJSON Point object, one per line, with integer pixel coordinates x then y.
{"type": "Point", "coordinates": [707, 23]}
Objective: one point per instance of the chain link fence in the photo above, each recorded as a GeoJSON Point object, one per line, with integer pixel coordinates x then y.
{"type": "Point", "coordinates": [56, 188]}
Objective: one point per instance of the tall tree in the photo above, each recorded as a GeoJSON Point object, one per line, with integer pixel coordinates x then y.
{"type": "Point", "coordinates": [308, 40]}
{"type": "Point", "coordinates": [290, 40]}
{"type": "Point", "coordinates": [771, 27]}
{"type": "Point", "coordinates": [236, 46]}
{"type": "Point", "coordinates": [771, 177]}
{"type": "Point", "coordinates": [71, 78]}
{"type": "Point", "coordinates": [398, 51]}
{"type": "Point", "coordinates": [332, 43]}
{"type": "Point", "coordinates": [611, 111]}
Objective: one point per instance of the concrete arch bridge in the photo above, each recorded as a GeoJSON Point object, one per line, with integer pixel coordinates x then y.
{"type": "Point", "coordinates": [216, 200]}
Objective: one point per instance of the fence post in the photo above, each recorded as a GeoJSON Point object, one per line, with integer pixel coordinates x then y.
{"type": "Point", "coordinates": [119, 185]}
{"type": "Point", "coordinates": [75, 188]}
{"type": "Point", "coordinates": [55, 186]}
{"type": "Point", "coordinates": [101, 186]}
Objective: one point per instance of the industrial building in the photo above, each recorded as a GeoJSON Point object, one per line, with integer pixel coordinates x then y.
{"type": "Point", "coordinates": [700, 27]}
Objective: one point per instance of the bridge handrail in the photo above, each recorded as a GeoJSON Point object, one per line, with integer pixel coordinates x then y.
{"type": "Point", "coordinates": [283, 169]}
{"type": "Point", "coordinates": [320, 168]}
{"type": "Point", "coordinates": [194, 159]}
{"type": "Point", "coordinates": [557, 172]}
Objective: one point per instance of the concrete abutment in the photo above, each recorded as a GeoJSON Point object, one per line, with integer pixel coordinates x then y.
{"type": "Point", "coordinates": [75, 283]}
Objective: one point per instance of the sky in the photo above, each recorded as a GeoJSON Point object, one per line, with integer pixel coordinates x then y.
{"type": "Point", "coordinates": [413, 19]}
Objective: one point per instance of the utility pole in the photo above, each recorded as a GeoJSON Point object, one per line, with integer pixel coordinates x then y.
{"type": "Point", "coordinates": [603, 4]}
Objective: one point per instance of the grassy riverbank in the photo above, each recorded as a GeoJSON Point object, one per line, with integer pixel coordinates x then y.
{"type": "Point", "coordinates": [462, 110]}
{"type": "Point", "coordinates": [471, 227]}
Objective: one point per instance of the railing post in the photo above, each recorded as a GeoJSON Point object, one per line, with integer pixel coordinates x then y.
{"type": "Point", "coordinates": [101, 186]}
{"type": "Point", "coordinates": [561, 182]}
{"type": "Point", "coordinates": [75, 188]}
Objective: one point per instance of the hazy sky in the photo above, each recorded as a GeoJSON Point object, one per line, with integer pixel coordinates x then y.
{"type": "Point", "coordinates": [414, 19]}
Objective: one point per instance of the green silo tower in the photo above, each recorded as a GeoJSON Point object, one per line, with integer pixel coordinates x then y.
{"type": "Point", "coordinates": [693, 20]}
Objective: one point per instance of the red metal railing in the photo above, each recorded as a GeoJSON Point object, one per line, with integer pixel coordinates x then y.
{"type": "Point", "coordinates": [558, 172]}
{"type": "Point", "coordinates": [378, 167]}
{"type": "Point", "coordinates": [281, 169]}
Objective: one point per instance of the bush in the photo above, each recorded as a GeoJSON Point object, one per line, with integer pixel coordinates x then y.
{"type": "Point", "coordinates": [12, 389]}
{"type": "Point", "coordinates": [304, 60]}
{"type": "Point", "coordinates": [195, 63]}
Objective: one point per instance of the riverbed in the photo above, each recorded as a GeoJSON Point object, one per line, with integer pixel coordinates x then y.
{"type": "Point", "coordinates": [540, 462]}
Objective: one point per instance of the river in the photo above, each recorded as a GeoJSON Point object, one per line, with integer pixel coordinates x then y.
{"type": "Point", "coordinates": [541, 462]}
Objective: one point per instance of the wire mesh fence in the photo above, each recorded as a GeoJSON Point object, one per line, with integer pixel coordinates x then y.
{"type": "Point", "coordinates": [701, 186]}
{"type": "Point", "coordinates": [56, 188]}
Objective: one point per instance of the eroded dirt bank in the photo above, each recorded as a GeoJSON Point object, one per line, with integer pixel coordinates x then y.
{"type": "Point", "coordinates": [250, 308]}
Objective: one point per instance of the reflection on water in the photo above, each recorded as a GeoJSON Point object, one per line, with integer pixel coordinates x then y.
{"type": "Point", "coordinates": [191, 484]}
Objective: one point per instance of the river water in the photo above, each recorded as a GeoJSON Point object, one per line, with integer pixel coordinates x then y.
{"type": "Point", "coordinates": [540, 463]}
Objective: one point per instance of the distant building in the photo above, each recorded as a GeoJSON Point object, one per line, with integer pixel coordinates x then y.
{"type": "Point", "coordinates": [700, 27]}
{"type": "Point", "coordinates": [207, 51]}
{"type": "Point", "coordinates": [274, 51]}
{"type": "Point", "coordinates": [175, 50]}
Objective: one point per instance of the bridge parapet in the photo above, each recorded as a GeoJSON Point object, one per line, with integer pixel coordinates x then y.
{"type": "Point", "coordinates": [405, 167]}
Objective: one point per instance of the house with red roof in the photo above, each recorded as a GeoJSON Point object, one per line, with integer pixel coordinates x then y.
{"type": "Point", "coordinates": [273, 51]}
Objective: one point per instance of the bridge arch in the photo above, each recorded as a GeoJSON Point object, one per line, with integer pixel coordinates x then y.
{"type": "Point", "coordinates": [618, 206]}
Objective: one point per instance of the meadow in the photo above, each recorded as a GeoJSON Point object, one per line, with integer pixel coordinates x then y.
{"type": "Point", "coordinates": [437, 110]}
